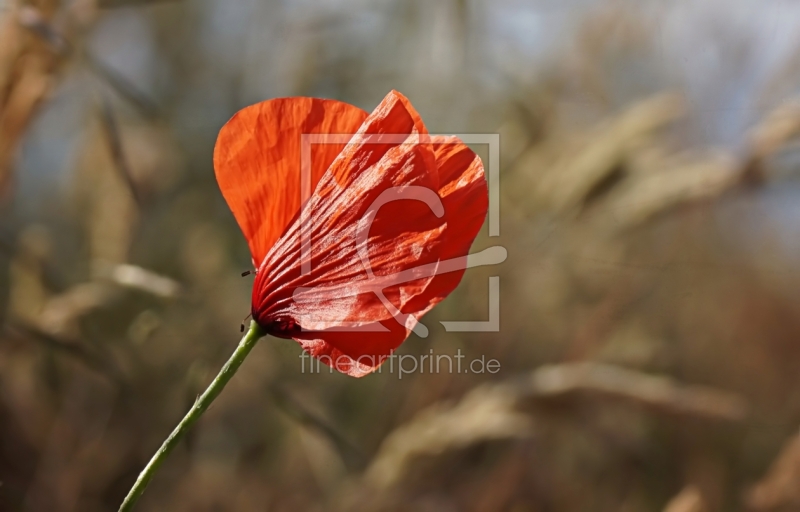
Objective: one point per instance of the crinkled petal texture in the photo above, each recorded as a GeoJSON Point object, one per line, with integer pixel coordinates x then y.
{"type": "Point", "coordinates": [382, 239]}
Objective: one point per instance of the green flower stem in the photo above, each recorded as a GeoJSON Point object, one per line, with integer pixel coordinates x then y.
{"type": "Point", "coordinates": [200, 405]}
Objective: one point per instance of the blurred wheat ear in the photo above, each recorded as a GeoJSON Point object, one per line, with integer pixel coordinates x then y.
{"type": "Point", "coordinates": [622, 173]}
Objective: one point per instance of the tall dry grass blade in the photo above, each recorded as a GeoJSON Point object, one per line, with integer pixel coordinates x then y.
{"type": "Point", "coordinates": [104, 199]}
{"type": "Point", "coordinates": [646, 196]}
{"type": "Point", "coordinates": [572, 180]}
{"type": "Point", "coordinates": [62, 313]}
{"type": "Point", "coordinates": [779, 127]}
{"type": "Point", "coordinates": [138, 278]}
{"type": "Point", "coordinates": [656, 392]}
{"type": "Point", "coordinates": [27, 291]}
{"type": "Point", "coordinates": [111, 131]}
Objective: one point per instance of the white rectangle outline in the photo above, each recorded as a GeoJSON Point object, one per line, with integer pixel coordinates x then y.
{"type": "Point", "coordinates": [308, 139]}
{"type": "Point", "coordinates": [492, 172]}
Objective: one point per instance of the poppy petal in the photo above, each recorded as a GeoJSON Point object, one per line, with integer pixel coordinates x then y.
{"type": "Point", "coordinates": [257, 161]}
{"type": "Point", "coordinates": [358, 245]}
{"type": "Point", "coordinates": [355, 353]}
{"type": "Point", "coordinates": [465, 195]}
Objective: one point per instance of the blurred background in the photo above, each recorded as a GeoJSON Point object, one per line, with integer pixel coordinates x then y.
{"type": "Point", "coordinates": [650, 204]}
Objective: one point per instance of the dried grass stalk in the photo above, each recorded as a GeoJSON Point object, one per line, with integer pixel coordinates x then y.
{"type": "Point", "coordinates": [63, 312]}
{"type": "Point", "coordinates": [777, 129]}
{"type": "Point", "coordinates": [645, 196]}
{"type": "Point", "coordinates": [27, 291]}
{"type": "Point", "coordinates": [485, 413]}
{"type": "Point", "coordinates": [656, 392]}
{"type": "Point", "coordinates": [106, 200]}
{"type": "Point", "coordinates": [571, 181]}
{"type": "Point", "coordinates": [135, 277]}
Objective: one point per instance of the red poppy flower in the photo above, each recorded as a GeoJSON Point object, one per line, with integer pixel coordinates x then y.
{"type": "Point", "coordinates": [383, 237]}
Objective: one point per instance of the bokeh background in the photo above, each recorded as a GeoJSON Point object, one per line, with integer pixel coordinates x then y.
{"type": "Point", "coordinates": [650, 304]}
